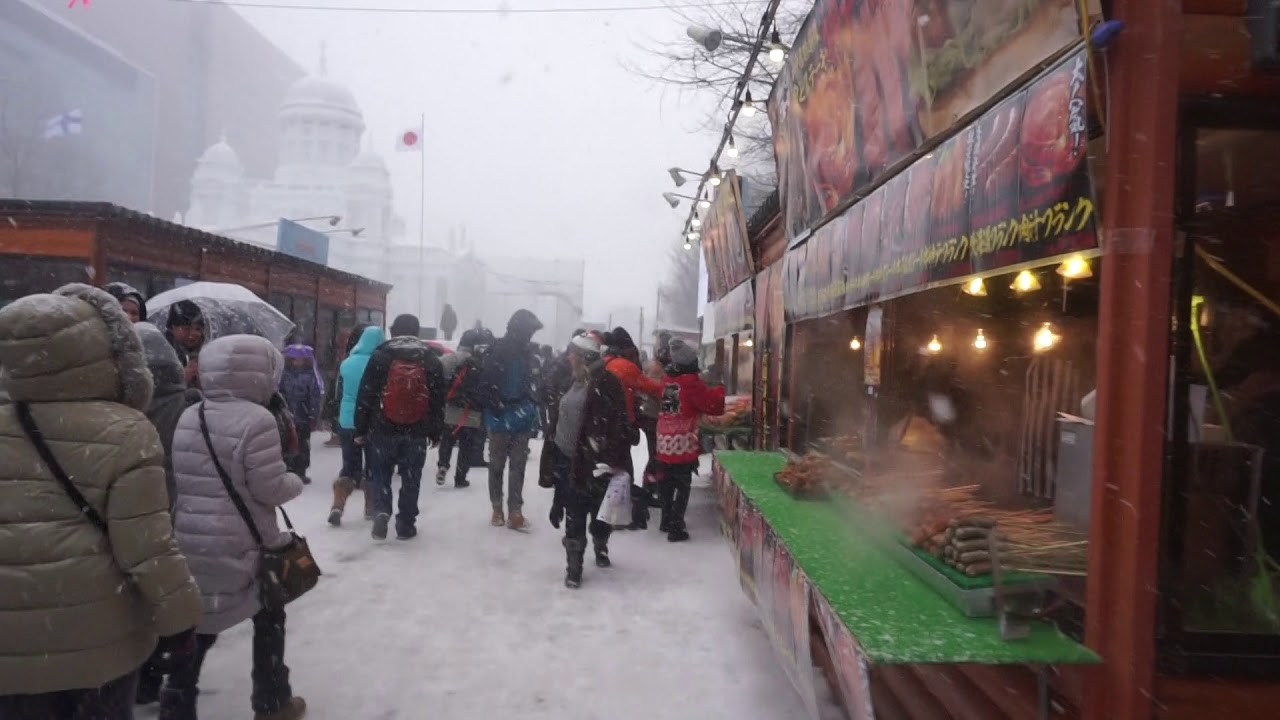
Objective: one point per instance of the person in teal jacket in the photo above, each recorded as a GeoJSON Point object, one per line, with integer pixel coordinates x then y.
{"type": "Point", "coordinates": [349, 375]}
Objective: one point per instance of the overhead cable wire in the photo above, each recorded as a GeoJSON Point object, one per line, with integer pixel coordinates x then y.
{"type": "Point", "coordinates": [561, 10]}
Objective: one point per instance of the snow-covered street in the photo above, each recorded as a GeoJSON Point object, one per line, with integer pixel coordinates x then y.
{"type": "Point", "coordinates": [468, 621]}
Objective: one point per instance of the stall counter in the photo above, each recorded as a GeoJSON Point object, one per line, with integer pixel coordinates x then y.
{"type": "Point", "coordinates": [894, 617]}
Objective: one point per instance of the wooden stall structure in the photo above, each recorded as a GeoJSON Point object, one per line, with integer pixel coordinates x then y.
{"type": "Point", "coordinates": [1094, 299]}
{"type": "Point", "coordinates": [44, 244]}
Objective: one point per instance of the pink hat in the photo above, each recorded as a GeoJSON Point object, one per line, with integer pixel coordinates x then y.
{"type": "Point", "coordinates": [587, 343]}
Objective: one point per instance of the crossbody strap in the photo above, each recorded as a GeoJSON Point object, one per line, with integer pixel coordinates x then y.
{"type": "Point", "coordinates": [37, 439]}
{"type": "Point", "coordinates": [226, 480]}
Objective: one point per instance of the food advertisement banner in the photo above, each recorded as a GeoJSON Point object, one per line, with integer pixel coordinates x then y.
{"type": "Point", "coordinates": [736, 311]}
{"type": "Point", "coordinates": [1011, 188]}
{"type": "Point", "coordinates": [724, 240]}
{"type": "Point", "coordinates": [852, 673]}
{"type": "Point", "coordinates": [867, 83]}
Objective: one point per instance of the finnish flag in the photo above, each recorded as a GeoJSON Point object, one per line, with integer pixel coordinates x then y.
{"type": "Point", "coordinates": [68, 123]}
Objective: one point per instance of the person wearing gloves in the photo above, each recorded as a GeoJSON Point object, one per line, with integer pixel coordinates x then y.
{"type": "Point", "coordinates": [508, 393]}
{"type": "Point", "coordinates": [354, 468]}
{"type": "Point", "coordinates": [622, 358]}
{"type": "Point", "coordinates": [400, 408]}
{"type": "Point", "coordinates": [686, 397]}
{"type": "Point", "coordinates": [185, 332]}
{"type": "Point", "coordinates": [462, 412]}
{"type": "Point", "coordinates": [238, 374]}
{"type": "Point", "coordinates": [92, 576]}
{"type": "Point", "coordinates": [593, 441]}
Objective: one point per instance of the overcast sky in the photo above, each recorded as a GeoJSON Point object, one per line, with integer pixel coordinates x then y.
{"type": "Point", "coordinates": [538, 138]}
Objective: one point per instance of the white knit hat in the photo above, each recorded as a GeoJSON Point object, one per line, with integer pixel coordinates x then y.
{"type": "Point", "coordinates": [587, 343]}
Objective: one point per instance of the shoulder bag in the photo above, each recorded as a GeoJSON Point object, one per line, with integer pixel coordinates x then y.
{"type": "Point", "coordinates": [284, 574]}
{"type": "Point", "coordinates": [42, 448]}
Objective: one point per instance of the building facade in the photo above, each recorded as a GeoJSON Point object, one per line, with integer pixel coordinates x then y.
{"type": "Point", "coordinates": [77, 119]}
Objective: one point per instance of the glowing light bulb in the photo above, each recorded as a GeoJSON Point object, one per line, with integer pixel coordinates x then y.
{"type": "Point", "coordinates": [732, 150]}
{"type": "Point", "coordinates": [1075, 267]}
{"type": "Point", "coordinates": [696, 222]}
{"type": "Point", "coordinates": [777, 53]}
{"type": "Point", "coordinates": [748, 342]}
{"type": "Point", "coordinates": [688, 245]}
{"type": "Point", "coordinates": [855, 344]}
{"type": "Point", "coordinates": [1026, 281]}
{"type": "Point", "coordinates": [934, 346]}
{"type": "Point", "coordinates": [976, 287]}
{"type": "Point", "coordinates": [704, 203]}
{"type": "Point", "coordinates": [980, 342]}
{"type": "Point", "coordinates": [1045, 338]}
{"type": "Point", "coordinates": [748, 106]}
{"type": "Point", "coordinates": [714, 180]}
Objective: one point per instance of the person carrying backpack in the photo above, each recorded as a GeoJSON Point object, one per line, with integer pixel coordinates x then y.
{"type": "Point", "coordinates": [400, 407]}
{"type": "Point", "coordinates": [686, 397]}
{"type": "Point", "coordinates": [508, 394]}
{"type": "Point", "coordinates": [462, 413]}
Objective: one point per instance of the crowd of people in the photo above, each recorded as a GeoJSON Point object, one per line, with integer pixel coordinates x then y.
{"type": "Point", "coordinates": [152, 463]}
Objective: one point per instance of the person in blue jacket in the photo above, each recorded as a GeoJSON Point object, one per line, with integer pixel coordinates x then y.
{"type": "Point", "coordinates": [350, 373]}
{"type": "Point", "coordinates": [508, 395]}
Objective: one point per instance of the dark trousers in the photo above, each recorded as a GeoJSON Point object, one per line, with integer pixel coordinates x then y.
{"type": "Point", "coordinates": [271, 690]}
{"type": "Point", "coordinates": [407, 452]}
{"type": "Point", "coordinates": [581, 503]}
{"type": "Point", "coordinates": [113, 701]}
{"type": "Point", "coordinates": [352, 455]}
{"type": "Point", "coordinates": [465, 440]}
{"type": "Point", "coordinates": [676, 483]}
{"type": "Point", "coordinates": [300, 463]}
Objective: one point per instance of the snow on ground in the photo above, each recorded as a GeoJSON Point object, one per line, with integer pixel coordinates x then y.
{"type": "Point", "coordinates": [472, 622]}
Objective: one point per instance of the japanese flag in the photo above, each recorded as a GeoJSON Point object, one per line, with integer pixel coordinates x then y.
{"type": "Point", "coordinates": [410, 140]}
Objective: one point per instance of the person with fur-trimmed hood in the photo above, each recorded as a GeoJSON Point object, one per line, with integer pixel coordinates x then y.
{"type": "Point", "coordinates": [686, 397]}
{"type": "Point", "coordinates": [92, 575]}
{"type": "Point", "coordinates": [591, 435]}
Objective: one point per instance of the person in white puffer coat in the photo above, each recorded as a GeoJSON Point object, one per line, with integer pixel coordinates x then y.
{"type": "Point", "coordinates": [238, 374]}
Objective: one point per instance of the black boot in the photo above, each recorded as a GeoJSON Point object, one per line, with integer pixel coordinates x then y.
{"type": "Point", "coordinates": [574, 550]}
{"type": "Point", "coordinates": [178, 704]}
{"type": "Point", "coordinates": [149, 681]}
{"type": "Point", "coordinates": [600, 533]}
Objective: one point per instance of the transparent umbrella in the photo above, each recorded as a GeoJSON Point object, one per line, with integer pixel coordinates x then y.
{"type": "Point", "coordinates": [228, 309]}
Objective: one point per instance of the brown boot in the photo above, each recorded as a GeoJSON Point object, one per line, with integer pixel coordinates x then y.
{"type": "Point", "coordinates": [342, 488]}
{"type": "Point", "coordinates": [296, 708]}
{"type": "Point", "coordinates": [516, 521]}
{"type": "Point", "coordinates": [498, 520]}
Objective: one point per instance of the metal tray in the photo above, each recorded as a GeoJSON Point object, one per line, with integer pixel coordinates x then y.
{"type": "Point", "coordinates": [976, 602]}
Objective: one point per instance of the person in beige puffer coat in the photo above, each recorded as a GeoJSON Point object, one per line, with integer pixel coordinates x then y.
{"type": "Point", "coordinates": [81, 610]}
{"type": "Point", "coordinates": [238, 375]}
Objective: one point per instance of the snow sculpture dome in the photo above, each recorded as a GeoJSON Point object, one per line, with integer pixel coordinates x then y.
{"type": "Point", "coordinates": [320, 129]}
{"type": "Point", "coordinates": [317, 95]}
{"type": "Point", "coordinates": [369, 169]}
{"type": "Point", "coordinates": [219, 157]}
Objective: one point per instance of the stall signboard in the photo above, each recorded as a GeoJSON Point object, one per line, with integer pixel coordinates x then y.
{"type": "Point", "coordinates": [869, 84]}
{"type": "Point", "coordinates": [852, 673]}
{"type": "Point", "coordinates": [873, 348]}
{"type": "Point", "coordinates": [1011, 188]}
{"type": "Point", "coordinates": [724, 240]}
{"type": "Point", "coordinates": [736, 311]}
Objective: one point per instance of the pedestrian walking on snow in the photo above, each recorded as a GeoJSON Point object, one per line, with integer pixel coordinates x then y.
{"type": "Point", "coordinates": [228, 446]}
{"type": "Point", "coordinates": [685, 399]}
{"type": "Point", "coordinates": [355, 469]}
{"type": "Point", "coordinates": [462, 413]}
{"type": "Point", "coordinates": [399, 409]}
{"type": "Point", "coordinates": [303, 391]}
{"type": "Point", "coordinates": [622, 358]}
{"type": "Point", "coordinates": [92, 575]}
{"type": "Point", "coordinates": [592, 443]}
{"type": "Point", "coordinates": [509, 396]}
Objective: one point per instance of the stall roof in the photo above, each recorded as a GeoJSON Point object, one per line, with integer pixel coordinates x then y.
{"type": "Point", "coordinates": [14, 211]}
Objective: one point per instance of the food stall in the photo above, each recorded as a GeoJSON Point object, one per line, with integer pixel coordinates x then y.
{"type": "Point", "coordinates": [985, 260]}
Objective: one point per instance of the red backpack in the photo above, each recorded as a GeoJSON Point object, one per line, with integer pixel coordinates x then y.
{"type": "Point", "coordinates": [405, 399]}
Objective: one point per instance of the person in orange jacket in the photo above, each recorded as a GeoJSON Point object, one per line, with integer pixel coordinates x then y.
{"type": "Point", "coordinates": [686, 397]}
{"type": "Point", "coordinates": [622, 360]}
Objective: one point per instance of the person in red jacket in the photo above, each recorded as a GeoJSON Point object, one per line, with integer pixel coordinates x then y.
{"type": "Point", "coordinates": [622, 360]}
{"type": "Point", "coordinates": [686, 397]}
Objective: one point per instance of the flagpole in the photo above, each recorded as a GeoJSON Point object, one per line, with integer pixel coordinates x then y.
{"type": "Point", "coordinates": [422, 208]}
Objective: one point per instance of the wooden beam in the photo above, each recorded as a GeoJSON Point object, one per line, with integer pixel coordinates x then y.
{"type": "Point", "coordinates": [1133, 360]}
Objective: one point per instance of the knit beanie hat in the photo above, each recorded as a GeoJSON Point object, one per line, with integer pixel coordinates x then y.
{"type": "Point", "coordinates": [587, 343]}
{"type": "Point", "coordinates": [683, 356]}
{"type": "Point", "coordinates": [405, 325]}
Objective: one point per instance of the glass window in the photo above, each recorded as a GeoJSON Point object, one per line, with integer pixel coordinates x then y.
{"type": "Point", "coordinates": [26, 275]}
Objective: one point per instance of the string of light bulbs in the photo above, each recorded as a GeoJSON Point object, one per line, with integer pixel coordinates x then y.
{"type": "Point", "coordinates": [743, 105]}
{"type": "Point", "coordinates": [557, 10]}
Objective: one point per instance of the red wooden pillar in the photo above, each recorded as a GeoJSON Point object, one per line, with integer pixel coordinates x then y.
{"type": "Point", "coordinates": [1133, 358]}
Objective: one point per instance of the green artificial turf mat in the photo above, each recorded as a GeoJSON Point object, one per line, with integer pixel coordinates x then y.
{"type": "Point", "coordinates": [895, 617]}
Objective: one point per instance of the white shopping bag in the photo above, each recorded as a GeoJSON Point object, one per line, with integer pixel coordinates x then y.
{"type": "Point", "coordinates": [616, 508]}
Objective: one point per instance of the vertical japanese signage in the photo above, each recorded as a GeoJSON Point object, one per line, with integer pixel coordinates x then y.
{"type": "Point", "coordinates": [724, 240]}
{"type": "Point", "coordinates": [867, 83]}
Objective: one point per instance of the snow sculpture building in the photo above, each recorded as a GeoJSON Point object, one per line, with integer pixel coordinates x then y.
{"type": "Point", "coordinates": [322, 170]}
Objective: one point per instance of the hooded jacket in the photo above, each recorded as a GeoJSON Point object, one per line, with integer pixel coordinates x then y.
{"type": "Point", "coordinates": [633, 382]}
{"type": "Point", "coordinates": [685, 399]}
{"type": "Point", "coordinates": [369, 415]}
{"type": "Point", "coordinates": [508, 381]}
{"type": "Point", "coordinates": [169, 399]}
{"type": "Point", "coordinates": [352, 372]}
{"type": "Point", "coordinates": [238, 374]}
{"type": "Point", "coordinates": [302, 388]}
{"type": "Point", "coordinates": [605, 436]}
{"type": "Point", "coordinates": [124, 291]}
{"type": "Point", "coordinates": [79, 608]}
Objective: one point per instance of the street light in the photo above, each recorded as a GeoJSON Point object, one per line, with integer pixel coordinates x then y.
{"type": "Point", "coordinates": [673, 199]}
{"type": "Point", "coordinates": [677, 174]}
{"type": "Point", "coordinates": [355, 232]}
{"type": "Point", "coordinates": [333, 222]}
{"type": "Point", "coordinates": [777, 51]}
